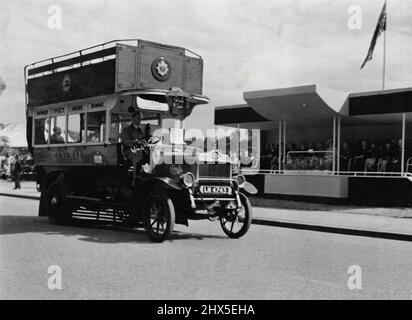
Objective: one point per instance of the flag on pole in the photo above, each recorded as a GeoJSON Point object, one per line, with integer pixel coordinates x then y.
{"type": "Point", "coordinates": [380, 27]}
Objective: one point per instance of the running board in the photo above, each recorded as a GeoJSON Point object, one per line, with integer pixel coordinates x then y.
{"type": "Point", "coordinates": [74, 198]}
{"type": "Point", "coordinates": [90, 208]}
{"type": "Point", "coordinates": [96, 202]}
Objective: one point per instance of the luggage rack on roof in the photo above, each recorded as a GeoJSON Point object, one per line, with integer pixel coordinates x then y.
{"type": "Point", "coordinates": [97, 53]}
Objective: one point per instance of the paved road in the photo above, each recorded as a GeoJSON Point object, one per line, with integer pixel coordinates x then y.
{"type": "Point", "coordinates": [199, 262]}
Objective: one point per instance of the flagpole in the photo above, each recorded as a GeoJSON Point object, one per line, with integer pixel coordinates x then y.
{"type": "Point", "coordinates": [384, 48]}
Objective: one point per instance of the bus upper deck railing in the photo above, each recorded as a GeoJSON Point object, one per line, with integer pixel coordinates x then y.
{"type": "Point", "coordinates": [79, 57]}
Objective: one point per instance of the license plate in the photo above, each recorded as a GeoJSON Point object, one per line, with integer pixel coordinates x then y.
{"type": "Point", "coordinates": [215, 190]}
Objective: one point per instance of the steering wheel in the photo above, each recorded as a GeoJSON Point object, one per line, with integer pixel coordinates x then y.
{"type": "Point", "coordinates": [142, 144]}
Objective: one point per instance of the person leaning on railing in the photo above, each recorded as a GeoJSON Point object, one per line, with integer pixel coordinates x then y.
{"type": "Point", "coordinates": [386, 157]}
{"type": "Point", "coordinates": [270, 154]}
{"type": "Point", "coordinates": [345, 156]}
{"type": "Point", "coordinates": [329, 155]}
{"type": "Point", "coordinates": [371, 163]}
{"type": "Point", "coordinates": [397, 156]}
{"type": "Point", "coordinates": [361, 155]}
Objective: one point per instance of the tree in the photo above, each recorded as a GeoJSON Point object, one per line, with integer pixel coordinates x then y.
{"type": "Point", "coordinates": [4, 141]}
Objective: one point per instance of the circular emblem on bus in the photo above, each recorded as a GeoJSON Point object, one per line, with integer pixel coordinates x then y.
{"type": "Point", "coordinates": [161, 69]}
{"type": "Point", "coordinates": [66, 83]}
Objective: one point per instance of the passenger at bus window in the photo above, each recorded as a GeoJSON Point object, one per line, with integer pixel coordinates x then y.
{"type": "Point", "coordinates": [93, 136]}
{"type": "Point", "coordinates": [386, 158]}
{"type": "Point", "coordinates": [41, 133]}
{"type": "Point", "coordinates": [56, 137]}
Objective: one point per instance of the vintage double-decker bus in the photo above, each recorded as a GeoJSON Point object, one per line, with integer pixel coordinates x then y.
{"type": "Point", "coordinates": [77, 106]}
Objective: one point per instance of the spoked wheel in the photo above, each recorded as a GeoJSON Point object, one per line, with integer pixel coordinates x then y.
{"type": "Point", "coordinates": [236, 223]}
{"type": "Point", "coordinates": [158, 216]}
{"type": "Point", "coordinates": [56, 211]}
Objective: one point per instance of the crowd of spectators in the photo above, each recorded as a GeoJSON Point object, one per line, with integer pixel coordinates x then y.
{"type": "Point", "coordinates": [372, 156]}
{"type": "Point", "coordinates": [8, 161]}
{"type": "Point", "coordinates": [365, 155]}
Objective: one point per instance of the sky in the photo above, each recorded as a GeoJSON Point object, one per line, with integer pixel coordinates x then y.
{"type": "Point", "coordinates": [246, 45]}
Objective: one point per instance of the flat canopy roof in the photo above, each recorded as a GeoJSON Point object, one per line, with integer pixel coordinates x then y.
{"type": "Point", "coordinates": [305, 105]}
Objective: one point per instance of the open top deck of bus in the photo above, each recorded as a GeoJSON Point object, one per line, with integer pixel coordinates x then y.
{"type": "Point", "coordinates": [112, 67]}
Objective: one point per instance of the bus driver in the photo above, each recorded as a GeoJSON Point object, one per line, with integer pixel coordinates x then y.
{"type": "Point", "coordinates": [131, 135]}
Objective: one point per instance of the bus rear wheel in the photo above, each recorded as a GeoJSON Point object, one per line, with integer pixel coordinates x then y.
{"type": "Point", "coordinates": [57, 211]}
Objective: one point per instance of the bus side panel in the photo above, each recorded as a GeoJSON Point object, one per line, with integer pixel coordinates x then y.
{"type": "Point", "coordinates": [82, 82]}
{"type": "Point", "coordinates": [194, 74]}
{"type": "Point", "coordinates": [148, 55]}
{"type": "Point", "coordinates": [126, 67]}
{"type": "Point", "coordinates": [86, 155]}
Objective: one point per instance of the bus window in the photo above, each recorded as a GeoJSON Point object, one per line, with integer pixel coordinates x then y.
{"type": "Point", "coordinates": [41, 131]}
{"type": "Point", "coordinates": [96, 126]}
{"type": "Point", "coordinates": [75, 131]}
{"type": "Point", "coordinates": [115, 128]}
{"type": "Point", "coordinates": [58, 130]}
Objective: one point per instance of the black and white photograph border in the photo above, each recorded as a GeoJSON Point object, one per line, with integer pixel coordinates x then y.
{"type": "Point", "coordinates": [213, 150]}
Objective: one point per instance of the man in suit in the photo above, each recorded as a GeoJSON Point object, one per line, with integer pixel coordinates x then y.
{"type": "Point", "coordinates": [16, 174]}
{"type": "Point", "coordinates": [131, 135]}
